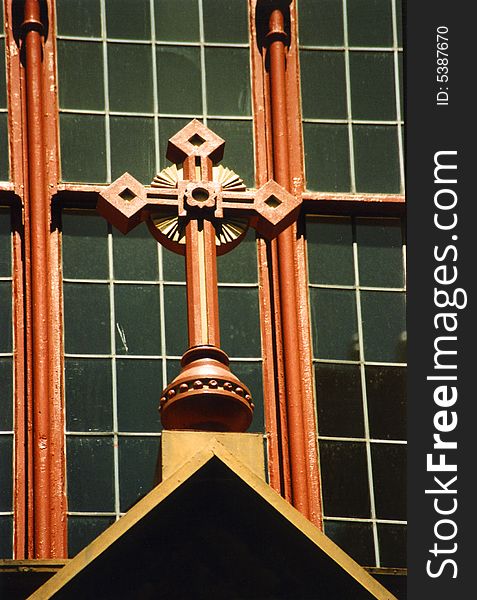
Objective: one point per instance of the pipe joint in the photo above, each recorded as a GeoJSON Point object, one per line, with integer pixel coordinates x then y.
{"type": "Point", "coordinates": [32, 24]}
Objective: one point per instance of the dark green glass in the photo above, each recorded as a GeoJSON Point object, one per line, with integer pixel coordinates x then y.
{"type": "Point", "coordinates": [330, 250]}
{"type": "Point", "coordinates": [173, 369]}
{"type": "Point", "coordinates": [137, 315]}
{"type": "Point", "coordinates": [85, 245]}
{"type": "Point", "coordinates": [83, 148]}
{"type": "Point", "coordinates": [177, 20]}
{"type": "Point", "coordinates": [128, 20]}
{"type": "Point", "coordinates": [90, 459]}
{"type": "Point", "coordinates": [228, 81]}
{"type": "Point", "coordinates": [370, 23]}
{"type": "Point", "coordinates": [344, 475]}
{"type": "Point", "coordinates": [89, 391]}
{"type": "Point", "coordinates": [6, 316]}
{"type": "Point", "coordinates": [179, 87]}
{"type": "Point", "coordinates": [334, 326]}
{"type": "Point", "coordinates": [135, 255]}
{"type": "Point", "coordinates": [376, 155]}
{"type": "Point", "coordinates": [83, 530]}
{"type": "Point", "coordinates": [386, 399]}
{"type": "Point", "coordinates": [240, 264]}
{"type": "Point", "coordinates": [356, 539]}
{"type": "Point", "coordinates": [79, 17]}
{"type": "Point", "coordinates": [175, 309]}
{"type": "Point", "coordinates": [384, 326]}
{"type": "Point", "coordinates": [225, 21]}
{"type": "Point", "coordinates": [6, 395]}
{"type": "Point", "coordinates": [133, 148]}
{"type": "Point", "coordinates": [250, 373]}
{"type": "Point", "coordinates": [372, 86]}
{"type": "Point", "coordinates": [80, 73]}
{"type": "Point", "coordinates": [389, 477]}
{"type": "Point", "coordinates": [3, 82]}
{"type": "Point", "coordinates": [4, 167]}
{"type": "Point", "coordinates": [6, 530]}
{"type": "Point", "coordinates": [323, 82]}
{"type": "Point", "coordinates": [239, 321]}
{"type": "Point", "coordinates": [327, 157]}
{"type": "Point", "coordinates": [87, 318]}
{"type": "Point", "coordinates": [401, 82]}
{"type": "Point", "coordinates": [238, 147]}
{"type": "Point", "coordinates": [173, 266]}
{"type": "Point", "coordinates": [320, 22]}
{"type": "Point", "coordinates": [130, 77]}
{"type": "Point", "coordinates": [137, 465]}
{"type": "Point", "coordinates": [6, 473]}
{"type": "Point", "coordinates": [392, 545]}
{"type": "Point", "coordinates": [399, 16]}
{"type": "Point", "coordinates": [339, 400]}
{"type": "Point", "coordinates": [380, 252]}
{"type": "Point", "coordinates": [5, 243]}
{"type": "Point", "coordinates": [139, 387]}
{"type": "Point", "coordinates": [167, 128]}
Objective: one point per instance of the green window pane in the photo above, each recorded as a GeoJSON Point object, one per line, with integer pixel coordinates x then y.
{"type": "Point", "coordinates": [132, 148]}
{"type": "Point", "coordinates": [327, 157]}
{"type": "Point", "coordinates": [339, 400]}
{"type": "Point", "coordinates": [372, 86]}
{"type": "Point", "coordinates": [135, 255]}
{"type": "Point", "coordinates": [225, 21]}
{"type": "Point", "coordinates": [167, 128]}
{"type": "Point", "coordinates": [6, 534]}
{"type": "Point", "coordinates": [356, 539]}
{"type": "Point", "coordinates": [80, 75]}
{"type": "Point", "coordinates": [330, 250]}
{"type": "Point", "coordinates": [177, 20]}
{"type": "Point", "coordinates": [83, 530]}
{"type": "Point", "coordinates": [345, 479]}
{"type": "Point", "coordinates": [179, 80]}
{"type": "Point", "coordinates": [240, 334]}
{"type": "Point", "coordinates": [79, 17]}
{"type": "Point", "coordinates": [128, 20]}
{"type": "Point", "coordinates": [87, 325]}
{"type": "Point", "coordinates": [130, 77]}
{"type": "Point", "coordinates": [5, 244]}
{"type": "Point", "coordinates": [137, 465]}
{"type": "Point", "coordinates": [3, 81]}
{"type": "Point", "coordinates": [4, 167]}
{"type": "Point", "coordinates": [139, 388]}
{"type": "Point", "coordinates": [370, 23]}
{"type": "Point", "coordinates": [384, 326]}
{"type": "Point", "coordinates": [380, 252]}
{"type": "Point", "coordinates": [83, 148]}
{"type": "Point", "coordinates": [240, 264]}
{"type": "Point", "coordinates": [401, 82]}
{"type": "Point", "coordinates": [175, 309]}
{"type": "Point", "coordinates": [334, 326]}
{"type": "Point", "coordinates": [386, 398]}
{"type": "Point", "coordinates": [376, 156]}
{"type": "Point", "coordinates": [228, 94]}
{"type": "Point", "coordinates": [89, 405]}
{"type": "Point", "coordinates": [173, 266]}
{"type": "Point", "coordinates": [85, 246]}
{"type": "Point", "coordinates": [392, 545]}
{"type": "Point", "coordinates": [399, 15]}
{"type": "Point", "coordinates": [6, 396]}
{"type": "Point", "coordinates": [6, 316]}
{"type": "Point", "coordinates": [323, 84]}
{"type": "Point", "coordinates": [238, 154]}
{"type": "Point", "coordinates": [389, 476]}
{"type": "Point", "coordinates": [173, 368]}
{"type": "Point", "coordinates": [321, 22]}
{"type": "Point", "coordinates": [138, 329]}
{"type": "Point", "coordinates": [250, 373]}
{"type": "Point", "coordinates": [90, 472]}
{"type": "Point", "coordinates": [6, 473]}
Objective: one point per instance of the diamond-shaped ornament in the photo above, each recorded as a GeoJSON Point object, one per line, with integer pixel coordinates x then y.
{"type": "Point", "coordinates": [276, 208]}
{"type": "Point", "coordinates": [195, 139]}
{"type": "Point", "coordinates": [122, 203]}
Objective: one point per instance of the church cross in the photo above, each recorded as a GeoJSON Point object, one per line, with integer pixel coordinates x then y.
{"type": "Point", "coordinates": [200, 211]}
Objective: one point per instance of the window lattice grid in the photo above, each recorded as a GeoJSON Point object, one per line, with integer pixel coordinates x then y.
{"type": "Point", "coordinates": [4, 167]}
{"type": "Point", "coordinates": [130, 79]}
{"type": "Point", "coordinates": [352, 88]}
{"type": "Point", "coordinates": [125, 331]}
{"type": "Point", "coordinates": [357, 285]}
{"type": "Point", "coordinates": [6, 387]}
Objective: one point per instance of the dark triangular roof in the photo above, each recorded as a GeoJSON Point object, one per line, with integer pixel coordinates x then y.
{"type": "Point", "coordinates": [213, 530]}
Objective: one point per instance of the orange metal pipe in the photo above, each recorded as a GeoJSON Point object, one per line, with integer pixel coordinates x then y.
{"type": "Point", "coordinates": [39, 224]}
{"type": "Point", "coordinates": [287, 283]}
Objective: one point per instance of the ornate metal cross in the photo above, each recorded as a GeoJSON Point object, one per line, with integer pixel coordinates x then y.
{"type": "Point", "coordinates": [200, 210]}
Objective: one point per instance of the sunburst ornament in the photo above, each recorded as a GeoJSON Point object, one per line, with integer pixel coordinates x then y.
{"type": "Point", "coordinates": [169, 229]}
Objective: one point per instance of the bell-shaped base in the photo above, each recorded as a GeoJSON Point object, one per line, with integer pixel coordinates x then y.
{"type": "Point", "coordinates": [206, 395]}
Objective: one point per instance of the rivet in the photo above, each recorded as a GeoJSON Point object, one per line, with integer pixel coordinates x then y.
{"type": "Point", "coordinates": [248, 397]}
{"type": "Point", "coordinates": [171, 393]}
{"type": "Point", "coordinates": [228, 386]}
{"type": "Point", "coordinates": [163, 400]}
{"type": "Point", "coordinates": [183, 387]}
{"type": "Point", "coordinates": [213, 383]}
{"type": "Point", "coordinates": [239, 391]}
{"type": "Point", "coordinates": [198, 384]}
